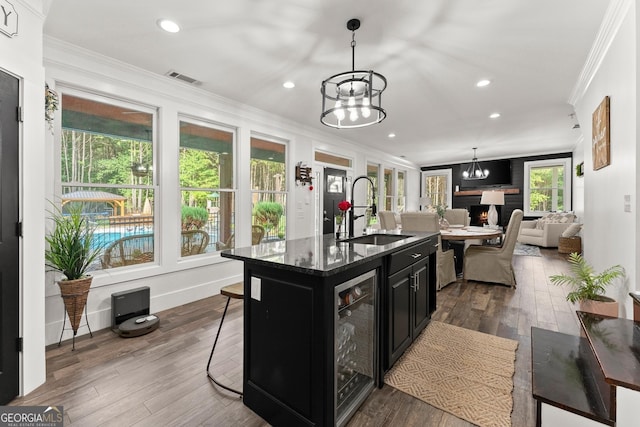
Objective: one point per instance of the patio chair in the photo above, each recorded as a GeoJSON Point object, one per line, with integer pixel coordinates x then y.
{"type": "Point", "coordinates": [128, 250]}
{"type": "Point", "coordinates": [194, 242]}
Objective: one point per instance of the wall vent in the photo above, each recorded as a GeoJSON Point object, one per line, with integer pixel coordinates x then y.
{"type": "Point", "coordinates": [177, 75]}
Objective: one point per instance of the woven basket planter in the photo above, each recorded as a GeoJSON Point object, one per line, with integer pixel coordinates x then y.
{"type": "Point", "coordinates": [567, 245]}
{"type": "Point", "coordinates": [75, 293]}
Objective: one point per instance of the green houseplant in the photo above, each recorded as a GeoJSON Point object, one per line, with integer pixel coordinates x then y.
{"type": "Point", "coordinates": [71, 251]}
{"type": "Point", "coordinates": [588, 287]}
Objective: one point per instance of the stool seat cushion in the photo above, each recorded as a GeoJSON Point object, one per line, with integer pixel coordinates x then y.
{"type": "Point", "coordinates": [233, 291]}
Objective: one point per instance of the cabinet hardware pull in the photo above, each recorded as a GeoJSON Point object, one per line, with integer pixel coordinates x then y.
{"type": "Point", "coordinates": [416, 255]}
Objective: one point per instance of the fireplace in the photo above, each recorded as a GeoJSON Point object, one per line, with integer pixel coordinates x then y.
{"type": "Point", "coordinates": [478, 214]}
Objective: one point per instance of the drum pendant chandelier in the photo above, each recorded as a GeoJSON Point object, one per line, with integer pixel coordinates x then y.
{"type": "Point", "coordinates": [353, 99]}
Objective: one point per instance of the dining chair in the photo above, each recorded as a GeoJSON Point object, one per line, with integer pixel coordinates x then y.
{"type": "Point", "coordinates": [494, 263]}
{"type": "Point", "coordinates": [387, 220]}
{"type": "Point", "coordinates": [445, 261]}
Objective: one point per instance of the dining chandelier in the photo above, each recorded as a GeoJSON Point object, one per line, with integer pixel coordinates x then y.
{"type": "Point", "coordinates": [474, 170]}
{"type": "Point", "coordinates": [353, 99]}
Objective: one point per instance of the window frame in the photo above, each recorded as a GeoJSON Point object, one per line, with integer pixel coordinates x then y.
{"type": "Point", "coordinates": [154, 186]}
{"type": "Point", "coordinates": [566, 162]}
{"type": "Point", "coordinates": [438, 172]}
{"type": "Point", "coordinates": [285, 192]}
{"type": "Point", "coordinates": [198, 121]}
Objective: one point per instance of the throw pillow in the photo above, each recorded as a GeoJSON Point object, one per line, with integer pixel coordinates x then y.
{"type": "Point", "coordinates": [571, 230]}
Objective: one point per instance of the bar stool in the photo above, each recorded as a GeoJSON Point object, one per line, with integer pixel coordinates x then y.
{"type": "Point", "coordinates": [232, 291]}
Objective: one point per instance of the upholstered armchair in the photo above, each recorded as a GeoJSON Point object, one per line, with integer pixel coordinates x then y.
{"type": "Point", "coordinates": [387, 220]}
{"type": "Point", "coordinates": [545, 231]}
{"type": "Point", "coordinates": [493, 263]}
{"type": "Point", "coordinates": [457, 216]}
{"type": "Point", "coordinates": [428, 221]}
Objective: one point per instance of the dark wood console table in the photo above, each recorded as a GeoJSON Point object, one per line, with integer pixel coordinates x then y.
{"type": "Point", "coordinates": [596, 376]}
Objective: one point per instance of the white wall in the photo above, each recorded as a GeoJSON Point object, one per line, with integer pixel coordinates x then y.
{"type": "Point", "coordinates": [577, 191]}
{"type": "Point", "coordinates": [610, 235]}
{"type": "Point", "coordinates": [22, 57]}
{"type": "Point", "coordinates": [175, 281]}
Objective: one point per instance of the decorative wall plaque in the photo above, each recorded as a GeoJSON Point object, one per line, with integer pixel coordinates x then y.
{"type": "Point", "coordinates": [600, 137]}
{"type": "Point", "coordinates": [8, 19]}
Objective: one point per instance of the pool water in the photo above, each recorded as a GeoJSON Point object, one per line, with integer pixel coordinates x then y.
{"type": "Point", "coordinates": [105, 239]}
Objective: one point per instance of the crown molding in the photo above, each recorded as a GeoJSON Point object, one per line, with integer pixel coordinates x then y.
{"type": "Point", "coordinates": [611, 23]}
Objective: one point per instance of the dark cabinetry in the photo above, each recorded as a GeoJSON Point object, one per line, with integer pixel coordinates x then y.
{"type": "Point", "coordinates": [410, 297]}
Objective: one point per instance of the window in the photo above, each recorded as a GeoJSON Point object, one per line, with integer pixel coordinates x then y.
{"type": "Point", "coordinates": [332, 159]}
{"type": "Point", "coordinates": [268, 190]}
{"type": "Point", "coordinates": [207, 208]}
{"type": "Point", "coordinates": [437, 185]}
{"type": "Point", "coordinates": [402, 200]}
{"type": "Point", "coordinates": [547, 186]}
{"type": "Point", "coordinates": [107, 165]}
{"type": "Point", "coordinates": [388, 193]}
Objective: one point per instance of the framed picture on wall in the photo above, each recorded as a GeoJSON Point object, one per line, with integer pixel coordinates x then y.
{"type": "Point", "coordinates": [600, 137]}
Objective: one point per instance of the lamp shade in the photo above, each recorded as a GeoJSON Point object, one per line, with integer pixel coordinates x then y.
{"type": "Point", "coordinates": [492, 198]}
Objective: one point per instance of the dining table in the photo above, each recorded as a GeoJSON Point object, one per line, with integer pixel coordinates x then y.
{"type": "Point", "coordinates": [470, 233]}
{"type": "Point", "coordinates": [467, 235]}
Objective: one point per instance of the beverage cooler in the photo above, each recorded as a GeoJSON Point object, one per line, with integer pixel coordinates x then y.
{"type": "Point", "coordinates": [355, 344]}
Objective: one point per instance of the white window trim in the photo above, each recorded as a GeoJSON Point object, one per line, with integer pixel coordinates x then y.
{"type": "Point", "coordinates": [566, 162]}
{"type": "Point", "coordinates": [438, 172]}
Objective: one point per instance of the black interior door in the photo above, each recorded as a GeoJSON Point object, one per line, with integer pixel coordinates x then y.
{"type": "Point", "coordinates": [9, 244]}
{"type": "Point", "coordinates": [335, 183]}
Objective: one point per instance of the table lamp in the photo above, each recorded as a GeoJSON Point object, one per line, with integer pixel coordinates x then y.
{"type": "Point", "coordinates": [492, 198]}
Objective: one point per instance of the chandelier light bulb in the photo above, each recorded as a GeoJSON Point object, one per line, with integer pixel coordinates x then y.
{"type": "Point", "coordinates": [465, 174]}
{"type": "Point", "coordinates": [366, 111]}
{"type": "Point", "coordinates": [339, 112]}
{"type": "Point", "coordinates": [353, 116]}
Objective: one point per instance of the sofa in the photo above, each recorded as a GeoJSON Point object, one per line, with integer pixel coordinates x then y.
{"type": "Point", "coordinates": [546, 230]}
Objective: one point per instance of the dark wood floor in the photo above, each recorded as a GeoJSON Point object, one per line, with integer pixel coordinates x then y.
{"type": "Point", "coordinates": [159, 378]}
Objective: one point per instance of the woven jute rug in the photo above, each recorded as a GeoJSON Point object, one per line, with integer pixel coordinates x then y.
{"type": "Point", "coordinates": [466, 373]}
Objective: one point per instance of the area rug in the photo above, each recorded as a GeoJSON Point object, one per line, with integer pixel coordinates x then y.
{"type": "Point", "coordinates": [522, 249]}
{"type": "Point", "coordinates": [466, 373]}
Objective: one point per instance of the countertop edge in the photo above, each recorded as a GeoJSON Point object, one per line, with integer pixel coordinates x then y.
{"type": "Point", "coordinates": [384, 250]}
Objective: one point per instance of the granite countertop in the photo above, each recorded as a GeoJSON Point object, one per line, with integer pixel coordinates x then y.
{"type": "Point", "coordinates": [321, 255]}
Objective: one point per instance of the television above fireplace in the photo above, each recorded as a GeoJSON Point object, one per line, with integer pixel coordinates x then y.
{"type": "Point", "coordinates": [499, 174]}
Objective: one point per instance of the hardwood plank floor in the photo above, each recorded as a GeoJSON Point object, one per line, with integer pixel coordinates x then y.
{"type": "Point", "coordinates": [159, 378]}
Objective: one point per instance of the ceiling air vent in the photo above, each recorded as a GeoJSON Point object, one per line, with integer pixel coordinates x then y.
{"type": "Point", "coordinates": [176, 75]}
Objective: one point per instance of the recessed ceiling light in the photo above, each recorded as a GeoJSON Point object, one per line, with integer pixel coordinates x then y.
{"type": "Point", "coordinates": [392, 135]}
{"type": "Point", "coordinates": [494, 116]}
{"type": "Point", "coordinates": [289, 84]}
{"type": "Point", "coordinates": [483, 83]}
{"type": "Point", "coordinates": [168, 25]}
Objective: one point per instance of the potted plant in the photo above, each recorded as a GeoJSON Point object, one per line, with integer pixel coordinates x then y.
{"type": "Point", "coordinates": [71, 251]}
{"type": "Point", "coordinates": [440, 210]}
{"type": "Point", "coordinates": [588, 288]}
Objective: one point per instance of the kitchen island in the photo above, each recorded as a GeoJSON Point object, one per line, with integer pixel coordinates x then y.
{"type": "Point", "coordinates": [324, 319]}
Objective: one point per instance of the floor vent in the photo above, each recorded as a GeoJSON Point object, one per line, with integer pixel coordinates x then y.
{"type": "Point", "coordinates": [176, 75]}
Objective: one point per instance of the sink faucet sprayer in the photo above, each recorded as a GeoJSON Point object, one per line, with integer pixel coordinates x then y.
{"type": "Point", "coordinates": [374, 210]}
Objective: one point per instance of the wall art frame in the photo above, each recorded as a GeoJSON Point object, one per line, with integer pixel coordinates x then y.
{"type": "Point", "coordinates": [601, 135]}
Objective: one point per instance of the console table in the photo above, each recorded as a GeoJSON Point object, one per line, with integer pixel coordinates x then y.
{"type": "Point", "coordinates": [590, 380]}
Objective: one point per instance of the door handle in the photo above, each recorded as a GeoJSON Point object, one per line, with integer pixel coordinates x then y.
{"type": "Point", "coordinates": [416, 255]}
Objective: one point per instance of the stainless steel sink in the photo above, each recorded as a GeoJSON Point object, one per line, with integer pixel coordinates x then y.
{"type": "Point", "coordinates": [376, 239]}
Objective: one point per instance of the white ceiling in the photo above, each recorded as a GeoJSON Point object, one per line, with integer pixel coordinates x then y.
{"type": "Point", "coordinates": [432, 53]}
